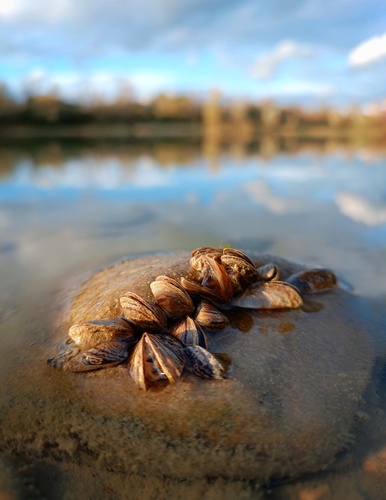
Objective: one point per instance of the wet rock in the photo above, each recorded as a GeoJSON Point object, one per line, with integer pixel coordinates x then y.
{"type": "Point", "coordinates": [287, 408]}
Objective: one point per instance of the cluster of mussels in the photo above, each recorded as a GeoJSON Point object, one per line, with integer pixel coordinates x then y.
{"type": "Point", "coordinates": [162, 337]}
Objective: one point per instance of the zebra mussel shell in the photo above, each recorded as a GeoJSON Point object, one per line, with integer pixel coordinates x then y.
{"type": "Point", "coordinates": [147, 315]}
{"type": "Point", "coordinates": [189, 332]}
{"type": "Point", "coordinates": [91, 333]}
{"type": "Point", "coordinates": [208, 316]}
{"type": "Point", "coordinates": [240, 269]}
{"type": "Point", "coordinates": [156, 358]}
{"type": "Point", "coordinates": [270, 295]}
{"type": "Point", "coordinates": [171, 296]}
{"type": "Point", "coordinates": [313, 280]}
{"type": "Point", "coordinates": [202, 363]}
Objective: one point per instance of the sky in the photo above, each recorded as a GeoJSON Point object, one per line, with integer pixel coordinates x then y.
{"type": "Point", "coordinates": [304, 52]}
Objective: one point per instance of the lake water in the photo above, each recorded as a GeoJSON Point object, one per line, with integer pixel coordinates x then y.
{"type": "Point", "coordinates": [69, 208]}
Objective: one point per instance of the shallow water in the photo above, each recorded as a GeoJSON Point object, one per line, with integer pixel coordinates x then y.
{"type": "Point", "coordinates": [66, 209]}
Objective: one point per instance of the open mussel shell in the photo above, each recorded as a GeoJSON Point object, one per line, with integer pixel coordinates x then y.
{"type": "Point", "coordinates": [268, 272]}
{"type": "Point", "coordinates": [208, 316]}
{"type": "Point", "coordinates": [147, 315]}
{"type": "Point", "coordinates": [189, 332]}
{"type": "Point", "coordinates": [156, 359]}
{"type": "Point", "coordinates": [270, 295]}
{"type": "Point", "coordinates": [171, 296]}
{"type": "Point", "coordinates": [240, 269]}
{"type": "Point", "coordinates": [313, 280]}
{"type": "Point", "coordinates": [91, 333]}
{"type": "Point", "coordinates": [203, 364]}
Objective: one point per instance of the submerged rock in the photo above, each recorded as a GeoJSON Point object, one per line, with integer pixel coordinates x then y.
{"type": "Point", "coordinates": [287, 407]}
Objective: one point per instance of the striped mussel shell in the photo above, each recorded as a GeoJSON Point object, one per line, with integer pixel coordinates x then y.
{"type": "Point", "coordinates": [270, 295]}
{"type": "Point", "coordinates": [147, 315]}
{"type": "Point", "coordinates": [156, 359]}
{"type": "Point", "coordinates": [189, 332]}
{"type": "Point", "coordinates": [203, 363]}
{"type": "Point", "coordinates": [215, 283]}
{"type": "Point", "coordinates": [103, 355]}
{"type": "Point", "coordinates": [313, 280]}
{"type": "Point", "coordinates": [208, 316]}
{"type": "Point", "coordinates": [90, 333]}
{"type": "Point", "coordinates": [268, 272]}
{"type": "Point", "coordinates": [241, 270]}
{"type": "Point", "coordinates": [198, 262]}
{"type": "Point", "coordinates": [171, 296]}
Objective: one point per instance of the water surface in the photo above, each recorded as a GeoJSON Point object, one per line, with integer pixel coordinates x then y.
{"type": "Point", "coordinates": [66, 209]}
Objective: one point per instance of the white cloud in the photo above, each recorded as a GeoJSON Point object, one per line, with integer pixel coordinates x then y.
{"type": "Point", "coordinates": [368, 52]}
{"type": "Point", "coordinates": [268, 64]}
{"type": "Point", "coordinates": [41, 11]}
{"type": "Point", "coordinates": [8, 8]}
{"type": "Point", "coordinates": [262, 194]}
{"type": "Point", "coordinates": [361, 210]}
{"type": "Point", "coordinates": [220, 39]}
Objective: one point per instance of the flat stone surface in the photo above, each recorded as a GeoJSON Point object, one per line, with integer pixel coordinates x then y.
{"type": "Point", "coordinates": [287, 407]}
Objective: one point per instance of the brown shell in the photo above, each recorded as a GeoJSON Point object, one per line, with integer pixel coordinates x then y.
{"type": "Point", "coordinates": [208, 316]}
{"type": "Point", "coordinates": [171, 296]}
{"type": "Point", "coordinates": [156, 358]}
{"type": "Point", "coordinates": [228, 251]}
{"type": "Point", "coordinates": [64, 360]}
{"type": "Point", "coordinates": [147, 315]}
{"type": "Point", "coordinates": [202, 363]}
{"type": "Point", "coordinates": [217, 279]}
{"type": "Point", "coordinates": [189, 332]}
{"type": "Point", "coordinates": [268, 272]}
{"type": "Point", "coordinates": [240, 269]}
{"type": "Point", "coordinates": [102, 355]}
{"type": "Point", "coordinates": [91, 333]}
{"type": "Point", "coordinates": [313, 280]}
{"type": "Point", "coordinates": [196, 260]}
{"type": "Point", "coordinates": [270, 295]}
{"type": "Point", "coordinates": [194, 288]}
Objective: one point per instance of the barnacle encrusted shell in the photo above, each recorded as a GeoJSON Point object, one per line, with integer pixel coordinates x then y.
{"type": "Point", "coordinates": [240, 268]}
{"type": "Point", "coordinates": [199, 262]}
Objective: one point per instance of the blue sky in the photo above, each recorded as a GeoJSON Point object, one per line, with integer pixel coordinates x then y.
{"type": "Point", "coordinates": [295, 51]}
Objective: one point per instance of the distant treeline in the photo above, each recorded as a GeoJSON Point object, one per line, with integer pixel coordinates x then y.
{"type": "Point", "coordinates": [215, 117]}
